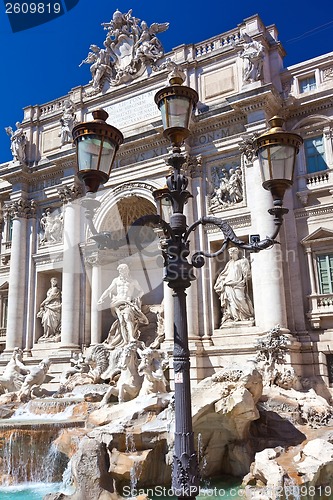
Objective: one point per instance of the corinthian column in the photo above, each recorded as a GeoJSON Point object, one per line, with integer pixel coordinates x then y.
{"type": "Point", "coordinates": [267, 269]}
{"type": "Point", "coordinates": [193, 170]}
{"type": "Point", "coordinates": [72, 271]}
{"type": "Point", "coordinates": [96, 292]}
{"type": "Point", "coordinates": [18, 211]}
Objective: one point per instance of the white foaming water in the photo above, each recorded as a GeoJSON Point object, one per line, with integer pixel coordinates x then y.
{"type": "Point", "coordinates": [24, 413]}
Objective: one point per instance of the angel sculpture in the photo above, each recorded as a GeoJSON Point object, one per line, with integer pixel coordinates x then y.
{"type": "Point", "coordinates": [148, 46]}
{"type": "Point", "coordinates": [100, 63]}
{"type": "Point", "coordinates": [18, 142]}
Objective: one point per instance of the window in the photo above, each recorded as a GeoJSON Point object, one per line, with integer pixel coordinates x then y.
{"type": "Point", "coordinates": [325, 272]}
{"type": "Point", "coordinates": [3, 309]}
{"type": "Point", "coordinates": [329, 361]}
{"type": "Point", "coordinates": [315, 154]}
{"type": "Point", "coordinates": [307, 84]}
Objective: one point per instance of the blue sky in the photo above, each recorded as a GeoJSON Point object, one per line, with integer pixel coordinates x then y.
{"type": "Point", "coordinates": [42, 63]}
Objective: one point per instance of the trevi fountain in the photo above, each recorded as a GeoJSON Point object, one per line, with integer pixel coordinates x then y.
{"type": "Point", "coordinates": [106, 431]}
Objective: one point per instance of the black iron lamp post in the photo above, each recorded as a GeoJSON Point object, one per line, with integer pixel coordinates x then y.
{"type": "Point", "coordinates": [97, 143]}
{"type": "Point", "coordinates": [277, 151]}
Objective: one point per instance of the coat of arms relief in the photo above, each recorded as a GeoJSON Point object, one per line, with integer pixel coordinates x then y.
{"type": "Point", "coordinates": [130, 48]}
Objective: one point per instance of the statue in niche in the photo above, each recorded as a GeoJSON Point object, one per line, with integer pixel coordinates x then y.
{"type": "Point", "coordinates": [228, 187]}
{"type": "Point", "coordinates": [231, 286]}
{"type": "Point", "coordinates": [18, 142]}
{"type": "Point", "coordinates": [130, 47]}
{"type": "Point", "coordinates": [125, 303]}
{"type": "Point", "coordinates": [52, 225]}
{"type": "Point", "coordinates": [13, 375]}
{"type": "Point", "coordinates": [67, 122]}
{"type": "Point", "coordinates": [50, 313]}
{"type": "Point", "coordinates": [253, 58]}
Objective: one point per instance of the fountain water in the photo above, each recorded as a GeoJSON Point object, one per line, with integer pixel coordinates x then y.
{"type": "Point", "coordinates": [27, 455]}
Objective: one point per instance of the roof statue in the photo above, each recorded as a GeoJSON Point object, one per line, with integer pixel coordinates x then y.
{"type": "Point", "coordinates": [130, 48]}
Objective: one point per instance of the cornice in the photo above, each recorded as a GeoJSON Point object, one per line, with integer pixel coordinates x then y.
{"type": "Point", "coordinates": [48, 257]}
{"type": "Point", "coordinates": [206, 124]}
{"type": "Point", "coordinates": [310, 107]}
{"type": "Point", "coordinates": [265, 97]}
{"type": "Point", "coordinates": [237, 222]}
{"type": "Point", "coordinates": [313, 211]}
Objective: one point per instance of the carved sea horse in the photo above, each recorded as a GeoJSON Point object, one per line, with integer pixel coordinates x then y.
{"type": "Point", "coordinates": [129, 382]}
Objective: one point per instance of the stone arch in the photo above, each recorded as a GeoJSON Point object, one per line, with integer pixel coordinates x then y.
{"type": "Point", "coordinates": [121, 206]}
{"type": "Point", "coordinates": [313, 119]}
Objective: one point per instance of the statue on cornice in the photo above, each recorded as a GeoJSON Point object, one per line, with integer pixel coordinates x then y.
{"type": "Point", "coordinates": [253, 58]}
{"type": "Point", "coordinates": [130, 48]}
{"type": "Point", "coordinates": [67, 121]}
{"type": "Point", "coordinates": [18, 142]}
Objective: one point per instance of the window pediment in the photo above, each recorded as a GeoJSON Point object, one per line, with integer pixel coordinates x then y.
{"type": "Point", "coordinates": [320, 235]}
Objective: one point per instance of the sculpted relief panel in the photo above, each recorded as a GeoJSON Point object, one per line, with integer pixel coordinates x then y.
{"type": "Point", "coordinates": [227, 187]}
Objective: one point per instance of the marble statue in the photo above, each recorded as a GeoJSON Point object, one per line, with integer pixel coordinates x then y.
{"type": "Point", "coordinates": [50, 313]}
{"type": "Point", "coordinates": [148, 45]}
{"type": "Point", "coordinates": [78, 365]}
{"type": "Point", "coordinates": [67, 121]}
{"type": "Point", "coordinates": [253, 56]}
{"type": "Point", "coordinates": [100, 64]}
{"type": "Point", "coordinates": [52, 226]}
{"type": "Point", "coordinates": [231, 286]}
{"type": "Point", "coordinates": [35, 378]}
{"type": "Point", "coordinates": [18, 143]}
{"type": "Point", "coordinates": [125, 302]}
{"type": "Point", "coordinates": [13, 375]}
{"type": "Point", "coordinates": [130, 381]}
{"type": "Point", "coordinates": [152, 366]}
{"type": "Point", "coordinates": [228, 187]}
{"type": "Point", "coordinates": [130, 48]}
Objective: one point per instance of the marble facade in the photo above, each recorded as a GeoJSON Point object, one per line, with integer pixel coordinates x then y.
{"type": "Point", "coordinates": [285, 286]}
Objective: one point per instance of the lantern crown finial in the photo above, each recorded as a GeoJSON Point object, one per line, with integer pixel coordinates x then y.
{"type": "Point", "coordinates": [276, 122]}
{"type": "Point", "coordinates": [100, 115]}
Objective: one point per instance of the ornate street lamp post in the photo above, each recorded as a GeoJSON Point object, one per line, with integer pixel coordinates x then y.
{"type": "Point", "coordinates": [277, 152]}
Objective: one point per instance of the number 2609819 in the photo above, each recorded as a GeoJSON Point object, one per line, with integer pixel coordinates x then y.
{"type": "Point", "coordinates": [33, 8]}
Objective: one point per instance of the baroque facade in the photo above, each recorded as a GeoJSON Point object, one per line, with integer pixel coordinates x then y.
{"type": "Point", "coordinates": [46, 227]}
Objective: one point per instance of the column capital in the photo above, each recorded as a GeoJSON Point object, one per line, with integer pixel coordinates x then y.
{"type": "Point", "coordinates": [94, 258]}
{"type": "Point", "coordinates": [193, 166]}
{"type": "Point", "coordinates": [67, 194]}
{"type": "Point", "coordinates": [246, 147]}
{"type": "Point", "coordinates": [20, 208]}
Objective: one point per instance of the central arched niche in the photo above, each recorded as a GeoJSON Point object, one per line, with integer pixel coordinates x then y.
{"type": "Point", "coordinates": [145, 266]}
{"type": "Point", "coordinates": [126, 211]}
